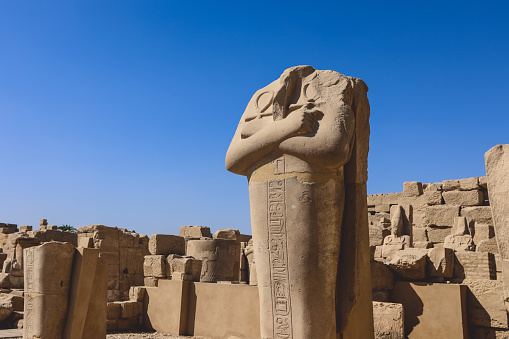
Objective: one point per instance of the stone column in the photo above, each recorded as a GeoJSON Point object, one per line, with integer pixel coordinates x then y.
{"type": "Point", "coordinates": [47, 270]}
{"type": "Point", "coordinates": [219, 257]}
{"type": "Point", "coordinates": [497, 170]}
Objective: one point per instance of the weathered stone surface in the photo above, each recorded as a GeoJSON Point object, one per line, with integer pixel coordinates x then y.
{"type": "Point", "coordinates": [409, 264]}
{"type": "Point", "coordinates": [483, 182]}
{"type": "Point", "coordinates": [433, 197]}
{"type": "Point", "coordinates": [420, 234]}
{"type": "Point", "coordinates": [438, 234]}
{"type": "Point", "coordinates": [187, 266]}
{"type": "Point", "coordinates": [382, 277]}
{"type": "Point", "coordinates": [497, 169]}
{"type": "Point", "coordinates": [292, 159]}
{"type": "Point", "coordinates": [5, 281]}
{"type": "Point", "coordinates": [489, 245]}
{"type": "Point", "coordinates": [474, 265]}
{"type": "Point", "coordinates": [166, 244]}
{"type": "Point", "coordinates": [460, 238]}
{"type": "Point", "coordinates": [463, 198]}
{"type": "Point", "coordinates": [469, 184]}
{"type": "Point", "coordinates": [483, 232]}
{"type": "Point", "coordinates": [412, 189]}
{"type": "Point", "coordinates": [195, 232]}
{"type": "Point", "coordinates": [486, 303]}
{"type": "Point", "coordinates": [389, 320]}
{"type": "Point", "coordinates": [136, 293]}
{"type": "Point", "coordinates": [113, 310]}
{"type": "Point", "coordinates": [441, 262]}
{"type": "Point", "coordinates": [6, 306]}
{"type": "Point", "coordinates": [441, 215]}
{"type": "Point", "coordinates": [481, 214]}
{"type": "Point", "coordinates": [450, 185]}
{"type": "Point", "coordinates": [154, 266]}
{"type": "Point", "coordinates": [218, 258]}
{"type": "Point", "coordinates": [433, 187]}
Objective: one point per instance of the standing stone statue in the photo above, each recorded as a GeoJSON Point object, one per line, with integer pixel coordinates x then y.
{"type": "Point", "coordinates": [303, 143]}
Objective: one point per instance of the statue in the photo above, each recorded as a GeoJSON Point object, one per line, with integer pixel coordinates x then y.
{"type": "Point", "coordinates": [303, 142]}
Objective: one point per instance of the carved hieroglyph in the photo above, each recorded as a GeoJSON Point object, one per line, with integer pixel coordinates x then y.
{"type": "Point", "coordinates": [303, 142]}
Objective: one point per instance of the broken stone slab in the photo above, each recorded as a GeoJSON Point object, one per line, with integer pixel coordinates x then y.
{"type": "Point", "coordinates": [489, 245]}
{"type": "Point", "coordinates": [412, 189]}
{"type": "Point", "coordinates": [433, 187]}
{"type": "Point", "coordinates": [409, 264]}
{"type": "Point", "coordinates": [48, 270]}
{"type": "Point", "coordinates": [166, 244]}
{"type": "Point", "coordinates": [195, 232]}
{"type": "Point", "coordinates": [154, 266]}
{"type": "Point", "coordinates": [450, 185]}
{"type": "Point", "coordinates": [441, 262]}
{"type": "Point", "coordinates": [463, 198]}
{"type": "Point", "coordinates": [389, 320]}
{"type": "Point", "coordinates": [188, 266]}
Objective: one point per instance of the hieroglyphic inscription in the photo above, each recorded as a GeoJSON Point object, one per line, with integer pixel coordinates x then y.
{"type": "Point", "coordinates": [279, 275]}
{"type": "Point", "coordinates": [29, 288]}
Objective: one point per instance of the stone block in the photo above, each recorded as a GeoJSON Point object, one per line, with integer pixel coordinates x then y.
{"type": "Point", "coordinates": [433, 198]}
{"type": "Point", "coordinates": [483, 182]}
{"type": "Point", "coordinates": [438, 234]}
{"type": "Point", "coordinates": [110, 258]}
{"type": "Point", "coordinates": [486, 303]}
{"type": "Point", "coordinates": [441, 262]}
{"type": "Point", "coordinates": [85, 242]}
{"type": "Point", "coordinates": [383, 208]}
{"type": "Point", "coordinates": [480, 214]}
{"type": "Point", "coordinates": [166, 244]}
{"type": "Point", "coordinates": [377, 235]}
{"type": "Point", "coordinates": [136, 293]}
{"type": "Point", "coordinates": [228, 233]}
{"type": "Point", "coordinates": [111, 325]}
{"type": "Point", "coordinates": [25, 228]}
{"type": "Point", "coordinates": [127, 309]}
{"type": "Point", "coordinates": [483, 232]}
{"type": "Point", "coordinates": [434, 187]}
{"type": "Point", "coordinates": [195, 232]}
{"type": "Point", "coordinates": [154, 266]}
{"type": "Point", "coordinates": [382, 277]}
{"type": "Point", "coordinates": [113, 310]}
{"type": "Point", "coordinates": [489, 245]}
{"type": "Point", "coordinates": [388, 320]}
{"type": "Point", "coordinates": [409, 264]}
{"type": "Point", "coordinates": [150, 281]}
{"type": "Point", "coordinates": [412, 189]}
{"type": "Point", "coordinates": [463, 198]}
{"type": "Point", "coordinates": [474, 265]}
{"type": "Point", "coordinates": [441, 215]}
{"type": "Point", "coordinates": [450, 185]}
{"type": "Point", "coordinates": [420, 234]}
{"type": "Point", "coordinates": [219, 258]}
{"type": "Point", "coordinates": [469, 184]}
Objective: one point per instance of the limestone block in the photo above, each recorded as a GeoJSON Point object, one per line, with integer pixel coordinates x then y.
{"type": "Point", "coordinates": [383, 208]}
{"type": "Point", "coordinates": [409, 264]}
{"type": "Point", "coordinates": [195, 232]}
{"type": "Point", "coordinates": [481, 214]}
{"type": "Point", "coordinates": [422, 244]}
{"type": "Point", "coordinates": [48, 270]}
{"type": "Point", "coordinates": [166, 244]}
{"type": "Point", "coordinates": [441, 262]}
{"type": "Point", "coordinates": [438, 234]}
{"type": "Point", "coordinates": [189, 267]}
{"type": "Point", "coordinates": [463, 198]}
{"type": "Point", "coordinates": [420, 234]}
{"type": "Point", "coordinates": [450, 185]}
{"type": "Point", "coordinates": [389, 320]}
{"type": "Point", "coordinates": [154, 266]}
{"type": "Point", "coordinates": [393, 244]}
{"type": "Point", "coordinates": [136, 293]}
{"type": "Point", "coordinates": [377, 235]}
{"type": "Point", "coordinates": [127, 308]}
{"type": "Point", "coordinates": [469, 184]}
{"type": "Point", "coordinates": [483, 232]}
{"type": "Point", "coordinates": [483, 182]}
{"type": "Point", "coordinates": [434, 187]}
{"type": "Point", "coordinates": [150, 281]}
{"type": "Point", "coordinates": [25, 228]}
{"type": "Point", "coordinates": [459, 243]}
{"type": "Point", "coordinates": [489, 245]}
{"type": "Point", "coordinates": [474, 265]}
{"type": "Point", "coordinates": [228, 233]}
{"type": "Point", "coordinates": [382, 277]}
{"type": "Point", "coordinates": [412, 189]}
{"type": "Point", "coordinates": [113, 310]}
{"type": "Point", "coordinates": [441, 215]}
{"type": "Point", "coordinates": [433, 198]}
{"type": "Point", "coordinates": [486, 303]}
{"type": "Point", "coordinates": [85, 242]}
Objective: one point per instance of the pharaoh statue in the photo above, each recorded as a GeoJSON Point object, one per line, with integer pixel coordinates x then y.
{"type": "Point", "coordinates": [303, 143]}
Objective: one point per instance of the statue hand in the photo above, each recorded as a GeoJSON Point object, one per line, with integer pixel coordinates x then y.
{"type": "Point", "coordinates": [303, 119]}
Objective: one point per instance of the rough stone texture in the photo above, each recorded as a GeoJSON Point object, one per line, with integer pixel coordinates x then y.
{"type": "Point", "coordinates": [6, 306]}
{"type": "Point", "coordinates": [481, 214]}
{"type": "Point", "coordinates": [48, 270]}
{"type": "Point", "coordinates": [497, 169]}
{"type": "Point", "coordinates": [420, 234]}
{"type": "Point", "coordinates": [389, 320]}
{"type": "Point", "coordinates": [166, 244]}
{"type": "Point", "coordinates": [433, 197]}
{"type": "Point", "coordinates": [483, 232]}
{"type": "Point", "coordinates": [486, 303]}
{"type": "Point", "coordinates": [295, 142]}
{"type": "Point", "coordinates": [474, 265]}
{"type": "Point", "coordinates": [218, 256]}
{"type": "Point", "coordinates": [478, 332]}
{"type": "Point", "coordinates": [412, 189]}
{"type": "Point", "coordinates": [154, 266]}
{"type": "Point", "coordinates": [195, 232]}
{"type": "Point", "coordinates": [463, 198]}
{"type": "Point", "coordinates": [382, 277]}
{"type": "Point", "coordinates": [441, 262]}
{"type": "Point", "coordinates": [469, 184]}
{"type": "Point", "coordinates": [409, 264]}
{"type": "Point", "coordinates": [188, 268]}
{"type": "Point", "coordinates": [441, 215]}
{"type": "Point", "coordinates": [489, 245]}
{"type": "Point", "coordinates": [450, 185]}
{"type": "Point", "coordinates": [438, 234]}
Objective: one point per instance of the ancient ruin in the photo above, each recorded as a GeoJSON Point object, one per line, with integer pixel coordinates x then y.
{"type": "Point", "coordinates": [326, 260]}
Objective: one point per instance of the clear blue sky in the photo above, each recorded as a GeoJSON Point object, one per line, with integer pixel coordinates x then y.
{"type": "Point", "coordinates": [121, 112]}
